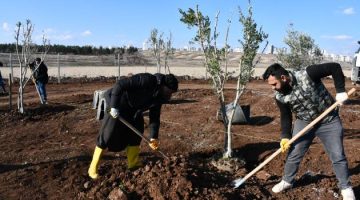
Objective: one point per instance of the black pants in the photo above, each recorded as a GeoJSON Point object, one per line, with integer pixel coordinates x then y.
{"type": "Point", "coordinates": [116, 136]}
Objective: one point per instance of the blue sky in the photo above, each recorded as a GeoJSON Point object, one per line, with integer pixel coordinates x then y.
{"type": "Point", "coordinates": [333, 24]}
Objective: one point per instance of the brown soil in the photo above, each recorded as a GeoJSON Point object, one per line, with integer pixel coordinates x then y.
{"type": "Point", "coordinates": [45, 153]}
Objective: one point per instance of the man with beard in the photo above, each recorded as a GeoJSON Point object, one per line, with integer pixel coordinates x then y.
{"type": "Point", "coordinates": [303, 93]}
{"type": "Point", "coordinates": [129, 98]}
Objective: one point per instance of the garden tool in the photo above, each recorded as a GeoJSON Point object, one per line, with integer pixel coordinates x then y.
{"type": "Point", "coordinates": [240, 181]}
{"type": "Point", "coordinates": [139, 134]}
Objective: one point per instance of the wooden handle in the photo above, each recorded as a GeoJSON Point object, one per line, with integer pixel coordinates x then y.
{"type": "Point", "coordinates": [140, 135]}
{"type": "Point", "coordinates": [302, 132]}
{"type": "Point", "coordinates": [327, 111]}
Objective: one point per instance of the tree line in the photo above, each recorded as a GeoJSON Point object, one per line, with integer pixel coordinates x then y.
{"type": "Point", "coordinates": [75, 50]}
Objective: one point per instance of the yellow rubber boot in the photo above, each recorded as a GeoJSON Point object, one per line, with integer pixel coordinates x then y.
{"type": "Point", "coordinates": [95, 163]}
{"type": "Point", "coordinates": [132, 153]}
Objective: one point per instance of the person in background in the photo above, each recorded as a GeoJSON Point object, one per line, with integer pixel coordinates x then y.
{"type": "Point", "coordinates": [303, 93]}
{"type": "Point", "coordinates": [40, 74]}
{"type": "Point", "coordinates": [2, 84]}
{"type": "Point", "coordinates": [129, 98]}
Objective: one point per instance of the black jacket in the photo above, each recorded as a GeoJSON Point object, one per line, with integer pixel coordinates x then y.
{"type": "Point", "coordinates": [316, 73]}
{"type": "Point", "coordinates": [136, 94]}
{"type": "Point", "coordinates": [40, 73]}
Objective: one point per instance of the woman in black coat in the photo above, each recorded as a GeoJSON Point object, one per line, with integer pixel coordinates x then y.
{"type": "Point", "coordinates": [129, 98]}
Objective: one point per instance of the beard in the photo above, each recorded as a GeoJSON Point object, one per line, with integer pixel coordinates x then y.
{"type": "Point", "coordinates": [285, 88]}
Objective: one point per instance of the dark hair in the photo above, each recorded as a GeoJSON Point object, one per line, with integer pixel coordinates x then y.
{"type": "Point", "coordinates": [171, 82]}
{"type": "Point", "coordinates": [38, 59]}
{"type": "Point", "coordinates": [275, 70]}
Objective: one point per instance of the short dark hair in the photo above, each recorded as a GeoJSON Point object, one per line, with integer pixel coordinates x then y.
{"type": "Point", "coordinates": [171, 82]}
{"type": "Point", "coordinates": [38, 59]}
{"type": "Point", "coordinates": [275, 70]}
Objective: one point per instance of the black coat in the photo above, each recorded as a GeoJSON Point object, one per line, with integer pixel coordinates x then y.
{"type": "Point", "coordinates": [40, 73]}
{"type": "Point", "coordinates": [131, 96]}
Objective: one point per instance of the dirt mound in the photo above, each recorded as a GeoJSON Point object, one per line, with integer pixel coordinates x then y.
{"type": "Point", "coordinates": [45, 153]}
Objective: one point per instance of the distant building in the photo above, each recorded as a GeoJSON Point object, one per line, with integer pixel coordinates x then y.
{"type": "Point", "coordinates": [237, 50]}
{"type": "Point", "coordinates": [145, 46]}
{"type": "Point", "coordinates": [193, 49]}
{"type": "Point", "coordinates": [348, 59]}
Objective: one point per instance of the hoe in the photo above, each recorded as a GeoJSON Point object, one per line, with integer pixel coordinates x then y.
{"type": "Point", "coordinates": [240, 181]}
{"type": "Point", "coordinates": [139, 134]}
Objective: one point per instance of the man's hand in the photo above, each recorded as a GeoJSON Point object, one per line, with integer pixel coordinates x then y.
{"type": "Point", "coordinates": [284, 145]}
{"type": "Point", "coordinates": [154, 144]}
{"type": "Point", "coordinates": [114, 113]}
{"type": "Point", "coordinates": [341, 97]}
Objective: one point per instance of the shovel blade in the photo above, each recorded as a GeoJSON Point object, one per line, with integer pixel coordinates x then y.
{"type": "Point", "coordinates": [238, 182]}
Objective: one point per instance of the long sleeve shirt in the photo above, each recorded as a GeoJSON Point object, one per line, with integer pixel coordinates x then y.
{"type": "Point", "coordinates": [316, 73]}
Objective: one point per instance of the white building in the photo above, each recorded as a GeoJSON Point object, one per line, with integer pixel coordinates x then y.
{"type": "Point", "coordinates": [145, 45]}
{"type": "Point", "coordinates": [237, 50]}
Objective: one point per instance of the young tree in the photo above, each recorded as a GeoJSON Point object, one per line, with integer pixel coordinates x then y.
{"type": "Point", "coordinates": [168, 52]}
{"type": "Point", "coordinates": [303, 50]}
{"type": "Point", "coordinates": [25, 50]}
{"type": "Point", "coordinates": [216, 59]}
{"type": "Point", "coordinates": [159, 45]}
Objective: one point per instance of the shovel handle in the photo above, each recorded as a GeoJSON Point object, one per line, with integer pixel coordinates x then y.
{"type": "Point", "coordinates": [327, 111]}
{"type": "Point", "coordinates": [302, 132]}
{"type": "Point", "coordinates": [139, 134]}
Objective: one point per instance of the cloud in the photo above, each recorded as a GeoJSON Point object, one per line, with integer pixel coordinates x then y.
{"type": "Point", "coordinates": [49, 31]}
{"type": "Point", "coordinates": [5, 27]}
{"type": "Point", "coordinates": [63, 37]}
{"type": "Point", "coordinates": [54, 35]}
{"type": "Point", "coordinates": [337, 37]}
{"type": "Point", "coordinates": [86, 33]}
{"type": "Point", "coordinates": [55, 38]}
{"type": "Point", "coordinates": [348, 11]}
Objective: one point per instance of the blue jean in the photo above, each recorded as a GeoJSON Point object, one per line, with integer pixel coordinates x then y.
{"type": "Point", "coordinates": [2, 84]}
{"type": "Point", "coordinates": [42, 90]}
{"type": "Point", "coordinates": [331, 135]}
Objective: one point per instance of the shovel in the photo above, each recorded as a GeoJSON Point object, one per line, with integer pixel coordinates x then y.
{"type": "Point", "coordinates": [139, 134]}
{"type": "Point", "coordinates": [240, 181]}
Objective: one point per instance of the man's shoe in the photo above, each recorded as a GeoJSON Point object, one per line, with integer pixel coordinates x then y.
{"type": "Point", "coordinates": [283, 185]}
{"type": "Point", "coordinates": [348, 194]}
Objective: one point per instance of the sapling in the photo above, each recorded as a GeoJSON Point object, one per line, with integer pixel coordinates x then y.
{"type": "Point", "coordinates": [216, 59]}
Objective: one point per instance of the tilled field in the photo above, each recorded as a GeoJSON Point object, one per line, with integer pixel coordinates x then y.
{"type": "Point", "coordinates": [45, 153]}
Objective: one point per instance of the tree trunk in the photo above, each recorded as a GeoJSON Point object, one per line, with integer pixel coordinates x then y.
{"type": "Point", "coordinates": [21, 92]}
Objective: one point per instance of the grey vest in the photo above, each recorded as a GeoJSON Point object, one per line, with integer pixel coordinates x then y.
{"type": "Point", "coordinates": [308, 99]}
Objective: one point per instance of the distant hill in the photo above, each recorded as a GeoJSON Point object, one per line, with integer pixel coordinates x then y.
{"type": "Point", "coordinates": [142, 58]}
